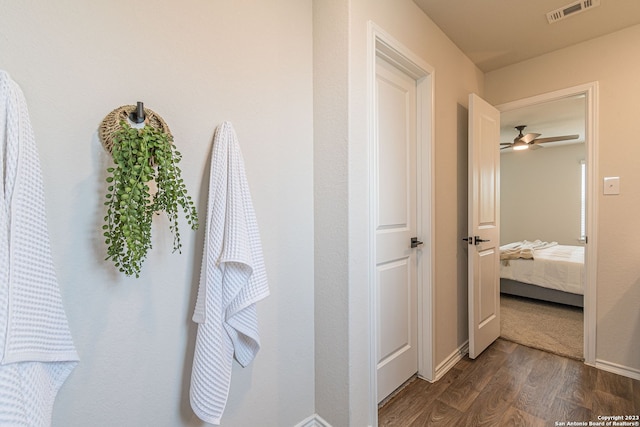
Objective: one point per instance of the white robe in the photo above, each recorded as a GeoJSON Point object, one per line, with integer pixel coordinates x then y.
{"type": "Point", "coordinates": [232, 280]}
{"type": "Point", "coordinates": [37, 353]}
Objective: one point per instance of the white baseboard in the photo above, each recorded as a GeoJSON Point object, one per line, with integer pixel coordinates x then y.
{"type": "Point", "coordinates": [314, 420]}
{"type": "Point", "coordinates": [618, 369]}
{"type": "Point", "coordinates": [451, 360]}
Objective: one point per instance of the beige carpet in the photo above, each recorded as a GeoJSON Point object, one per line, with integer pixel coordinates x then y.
{"type": "Point", "coordinates": [546, 326]}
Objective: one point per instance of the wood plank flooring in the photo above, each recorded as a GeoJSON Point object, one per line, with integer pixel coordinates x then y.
{"type": "Point", "coordinates": [513, 385]}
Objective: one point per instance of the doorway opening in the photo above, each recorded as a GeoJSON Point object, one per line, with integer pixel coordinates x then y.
{"type": "Point", "coordinates": [565, 190]}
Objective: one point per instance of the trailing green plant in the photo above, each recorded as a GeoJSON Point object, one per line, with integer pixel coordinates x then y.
{"type": "Point", "coordinates": [142, 156]}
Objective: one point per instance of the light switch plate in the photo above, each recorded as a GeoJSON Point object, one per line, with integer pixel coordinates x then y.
{"type": "Point", "coordinates": [611, 185]}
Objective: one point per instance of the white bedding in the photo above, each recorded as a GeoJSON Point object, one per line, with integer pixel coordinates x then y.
{"type": "Point", "coordinates": [558, 267]}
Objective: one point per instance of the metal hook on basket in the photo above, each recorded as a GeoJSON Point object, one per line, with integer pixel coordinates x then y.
{"type": "Point", "coordinates": [138, 116]}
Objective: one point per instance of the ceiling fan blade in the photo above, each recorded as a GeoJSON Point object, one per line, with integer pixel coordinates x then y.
{"type": "Point", "coordinates": [555, 138]}
{"type": "Point", "coordinates": [502, 148]}
{"type": "Point", "coordinates": [529, 137]}
{"type": "Point", "coordinates": [505, 143]}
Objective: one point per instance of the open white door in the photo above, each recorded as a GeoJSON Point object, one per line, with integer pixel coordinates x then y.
{"type": "Point", "coordinates": [484, 225]}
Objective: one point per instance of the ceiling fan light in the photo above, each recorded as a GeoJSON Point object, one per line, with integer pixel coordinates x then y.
{"type": "Point", "coordinates": [520, 146]}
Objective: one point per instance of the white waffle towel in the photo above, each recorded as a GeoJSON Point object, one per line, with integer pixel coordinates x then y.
{"type": "Point", "coordinates": [232, 280]}
{"type": "Point", "coordinates": [36, 349]}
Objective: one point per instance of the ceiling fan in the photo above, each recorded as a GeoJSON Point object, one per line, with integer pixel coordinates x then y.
{"type": "Point", "coordinates": [531, 140]}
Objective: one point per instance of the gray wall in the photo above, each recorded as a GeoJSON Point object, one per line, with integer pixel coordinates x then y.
{"type": "Point", "coordinates": [196, 65]}
{"type": "Point", "coordinates": [540, 194]}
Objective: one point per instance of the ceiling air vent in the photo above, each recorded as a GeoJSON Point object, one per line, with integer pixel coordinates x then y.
{"type": "Point", "coordinates": [571, 9]}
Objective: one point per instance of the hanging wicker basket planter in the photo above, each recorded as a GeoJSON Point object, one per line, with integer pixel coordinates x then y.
{"type": "Point", "coordinates": [111, 124]}
{"type": "Point", "coordinates": [143, 152]}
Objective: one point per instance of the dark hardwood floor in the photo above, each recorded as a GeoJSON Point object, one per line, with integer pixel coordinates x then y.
{"type": "Point", "coordinates": [513, 385]}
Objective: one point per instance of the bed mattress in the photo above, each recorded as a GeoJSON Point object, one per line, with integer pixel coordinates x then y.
{"type": "Point", "coordinates": [558, 267]}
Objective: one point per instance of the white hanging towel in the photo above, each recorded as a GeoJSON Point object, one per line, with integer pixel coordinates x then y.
{"type": "Point", "coordinates": [232, 280]}
{"type": "Point", "coordinates": [36, 349]}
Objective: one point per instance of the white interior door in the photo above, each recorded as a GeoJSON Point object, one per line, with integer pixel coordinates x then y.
{"type": "Point", "coordinates": [484, 225]}
{"type": "Point", "coordinates": [395, 225]}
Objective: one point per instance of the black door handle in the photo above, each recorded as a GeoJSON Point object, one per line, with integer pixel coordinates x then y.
{"type": "Point", "coordinates": [415, 243]}
{"type": "Point", "coordinates": [478, 240]}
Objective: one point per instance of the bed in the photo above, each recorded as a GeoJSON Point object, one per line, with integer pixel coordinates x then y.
{"type": "Point", "coordinates": [545, 271]}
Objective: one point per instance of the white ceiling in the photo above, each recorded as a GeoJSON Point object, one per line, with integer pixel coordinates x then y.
{"type": "Point", "coordinates": [497, 33]}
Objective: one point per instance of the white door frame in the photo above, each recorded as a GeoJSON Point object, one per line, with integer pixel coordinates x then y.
{"type": "Point", "coordinates": [590, 90]}
{"type": "Point", "coordinates": [381, 44]}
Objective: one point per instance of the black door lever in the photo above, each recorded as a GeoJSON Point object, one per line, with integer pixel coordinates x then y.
{"type": "Point", "coordinates": [478, 240]}
{"type": "Point", "coordinates": [415, 243]}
